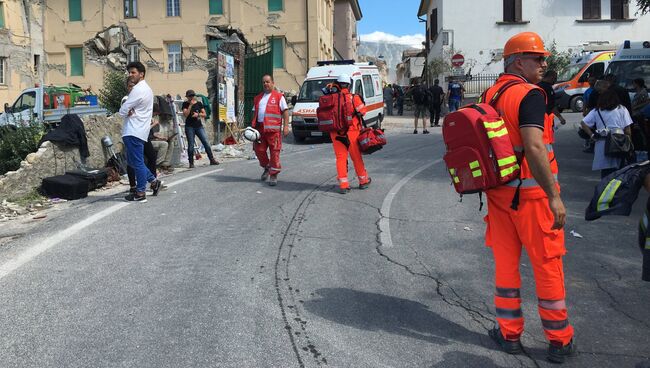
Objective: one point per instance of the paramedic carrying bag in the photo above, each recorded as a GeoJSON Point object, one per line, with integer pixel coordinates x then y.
{"type": "Point", "coordinates": [480, 155]}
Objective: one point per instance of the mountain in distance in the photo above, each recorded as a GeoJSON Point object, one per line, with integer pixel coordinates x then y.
{"type": "Point", "coordinates": [391, 52]}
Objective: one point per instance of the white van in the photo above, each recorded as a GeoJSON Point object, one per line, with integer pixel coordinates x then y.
{"type": "Point", "coordinates": [631, 61]}
{"type": "Point", "coordinates": [366, 82]}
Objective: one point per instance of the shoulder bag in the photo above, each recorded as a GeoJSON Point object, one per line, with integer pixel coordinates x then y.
{"type": "Point", "coordinates": [617, 145]}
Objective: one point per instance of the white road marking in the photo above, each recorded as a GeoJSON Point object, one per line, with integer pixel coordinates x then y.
{"type": "Point", "coordinates": [384, 223]}
{"type": "Point", "coordinates": [51, 241]}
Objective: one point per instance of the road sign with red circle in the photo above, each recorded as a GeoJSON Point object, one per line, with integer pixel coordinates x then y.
{"type": "Point", "coordinates": [457, 60]}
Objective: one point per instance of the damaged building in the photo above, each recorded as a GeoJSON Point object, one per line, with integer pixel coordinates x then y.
{"type": "Point", "coordinates": [21, 47]}
{"type": "Point", "coordinates": [79, 39]}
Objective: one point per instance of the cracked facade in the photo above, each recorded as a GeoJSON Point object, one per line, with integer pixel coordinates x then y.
{"type": "Point", "coordinates": [21, 47]}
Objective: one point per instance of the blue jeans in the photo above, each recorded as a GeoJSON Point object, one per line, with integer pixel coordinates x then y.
{"type": "Point", "coordinates": [190, 132]}
{"type": "Point", "coordinates": [135, 159]}
{"type": "Point", "coordinates": [454, 104]}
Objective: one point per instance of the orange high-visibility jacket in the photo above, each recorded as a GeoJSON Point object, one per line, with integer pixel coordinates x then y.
{"type": "Point", "coordinates": [273, 115]}
{"type": "Point", "coordinates": [508, 106]}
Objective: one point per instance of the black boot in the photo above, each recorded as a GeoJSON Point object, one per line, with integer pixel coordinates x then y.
{"type": "Point", "coordinates": [508, 346]}
{"type": "Point", "coordinates": [191, 160]}
{"type": "Point", "coordinates": [557, 353]}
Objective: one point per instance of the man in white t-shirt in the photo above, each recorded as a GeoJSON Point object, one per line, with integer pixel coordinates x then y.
{"type": "Point", "coordinates": [137, 111]}
{"type": "Point", "coordinates": [271, 119]}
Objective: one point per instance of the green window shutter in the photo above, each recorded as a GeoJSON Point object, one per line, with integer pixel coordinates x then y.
{"type": "Point", "coordinates": [216, 6]}
{"type": "Point", "coordinates": [2, 14]}
{"type": "Point", "coordinates": [275, 5]}
{"type": "Point", "coordinates": [74, 8]}
{"type": "Point", "coordinates": [278, 52]}
{"type": "Point", "coordinates": [76, 61]}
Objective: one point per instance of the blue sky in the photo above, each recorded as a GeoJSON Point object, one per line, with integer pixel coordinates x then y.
{"type": "Point", "coordinates": [391, 20]}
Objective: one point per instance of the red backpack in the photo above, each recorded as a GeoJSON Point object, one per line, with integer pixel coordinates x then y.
{"type": "Point", "coordinates": [480, 155]}
{"type": "Point", "coordinates": [371, 140]}
{"type": "Point", "coordinates": [331, 113]}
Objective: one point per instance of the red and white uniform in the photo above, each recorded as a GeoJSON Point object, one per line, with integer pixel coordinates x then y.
{"type": "Point", "coordinates": [267, 119]}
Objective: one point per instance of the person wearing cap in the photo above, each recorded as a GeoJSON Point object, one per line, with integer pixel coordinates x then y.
{"type": "Point", "coordinates": [271, 119]}
{"type": "Point", "coordinates": [345, 143]}
{"type": "Point", "coordinates": [528, 213]}
{"type": "Point", "coordinates": [194, 111]}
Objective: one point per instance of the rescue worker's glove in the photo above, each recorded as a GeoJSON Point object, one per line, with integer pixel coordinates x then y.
{"type": "Point", "coordinates": [343, 139]}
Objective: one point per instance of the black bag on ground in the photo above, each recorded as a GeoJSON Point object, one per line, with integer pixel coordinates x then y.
{"type": "Point", "coordinates": [96, 178]}
{"type": "Point", "coordinates": [65, 186]}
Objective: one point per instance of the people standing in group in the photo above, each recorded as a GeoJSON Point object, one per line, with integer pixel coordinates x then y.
{"type": "Point", "coordinates": [194, 111]}
{"type": "Point", "coordinates": [345, 143]}
{"type": "Point", "coordinates": [455, 94]}
{"type": "Point", "coordinates": [388, 99]}
{"type": "Point", "coordinates": [608, 116]}
{"type": "Point", "coordinates": [587, 94]}
{"type": "Point", "coordinates": [398, 94]}
{"type": "Point", "coordinates": [641, 98]}
{"type": "Point", "coordinates": [547, 82]}
{"type": "Point", "coordinates": [137, 112]}
{"type": "Point", "coordinates": [528, 213]}
{"type": "Point", "coordinates": [437, 96]}
{"type": "Point", "coordinates": [420, 96]}
{"type": "Point", "coordinates": [271, 119]}
{"type": "Point", "coordinates": [623, 95]}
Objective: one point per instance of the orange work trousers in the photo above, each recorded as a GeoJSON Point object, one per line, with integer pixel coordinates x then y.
{"type": "Point", "coordinates": [273, 143]}
{"type": "Point", "coordinates": [530, 226]}
{"type": "Point", "coordinates": [341, 152]}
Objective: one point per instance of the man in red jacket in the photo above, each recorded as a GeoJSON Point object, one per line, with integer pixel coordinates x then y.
{"type": "Point", "coordinates": [271, 119]}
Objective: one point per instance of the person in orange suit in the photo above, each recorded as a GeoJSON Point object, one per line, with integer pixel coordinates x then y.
{"type": "Point", "coordinates": [271, 119]}
{"type": "Point", "coordinates": [528, 213]}
{"type": "Point", "coordinates": [345, 143]}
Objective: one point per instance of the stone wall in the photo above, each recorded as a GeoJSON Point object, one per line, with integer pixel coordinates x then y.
{"type": "Point", "coordinates": [52, 159]}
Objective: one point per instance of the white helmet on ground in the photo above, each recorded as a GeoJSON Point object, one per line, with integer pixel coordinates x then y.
{"type": "Point", "coordinates": [344, 78]}
{"type": "Point", "coordinates": [251, 134]}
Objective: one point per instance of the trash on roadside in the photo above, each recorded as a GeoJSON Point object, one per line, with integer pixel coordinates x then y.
{"type": "Point", "coordinates": [258, 192]}
{"type": "Point", "coordinates": [219, 147]}
{"type": "Point", "coordinates": [231, 151]}
{"type": "Point", "coordinates": [39, 217]}
{"type": "Point", "coordinates": [576, 235]}
{"type": "Point", "coordinates": [467, 228]}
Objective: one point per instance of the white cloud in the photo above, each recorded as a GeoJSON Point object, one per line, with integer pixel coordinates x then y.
{"type": "Point", "coordinates": [410, 40]}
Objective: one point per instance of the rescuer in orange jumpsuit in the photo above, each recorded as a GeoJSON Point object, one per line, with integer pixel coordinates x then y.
{"type": "Point", "coordinates": [528, 212]}
{"type": "Point", "coordinates": [345, 143]}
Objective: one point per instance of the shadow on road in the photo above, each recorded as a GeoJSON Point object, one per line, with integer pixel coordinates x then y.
{"type": "Point", "coordinates": [377, 312]}
{"type": "Point", "coordinates": [463, 359]}
{"type": "Point", "coordinates": [290, 186]}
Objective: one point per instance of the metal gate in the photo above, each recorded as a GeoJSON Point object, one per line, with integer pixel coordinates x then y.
{"type": "Point", "coordinates": [259, 61]}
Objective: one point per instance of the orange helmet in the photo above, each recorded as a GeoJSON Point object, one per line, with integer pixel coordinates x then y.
{"type": "Point", "coordinates": [525, 42]}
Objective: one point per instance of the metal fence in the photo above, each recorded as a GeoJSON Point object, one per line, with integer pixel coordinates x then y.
{"type": "Point", "coordinates": [477, 83]}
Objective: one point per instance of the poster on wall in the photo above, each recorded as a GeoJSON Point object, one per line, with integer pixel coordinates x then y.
{"type": "Point", "coordinates": [226, 82]}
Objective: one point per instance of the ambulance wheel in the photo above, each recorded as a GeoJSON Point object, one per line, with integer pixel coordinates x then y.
{"type": "Point", "coordinates": [298, 139]}
{"type": "Point", "coordinates": [577, 104]}
{"type": "Point", "coordinates": [381, 117]}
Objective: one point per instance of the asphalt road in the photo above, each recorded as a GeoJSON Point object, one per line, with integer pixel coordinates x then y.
{"type": "Point", "coordinates": [222, 270]}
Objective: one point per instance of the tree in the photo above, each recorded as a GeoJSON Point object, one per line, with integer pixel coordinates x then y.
{"type": "Point", "coordinates": [114, 89]}
{"type": "Point", "coordinates": [644, 6]}
{"type": "Point", "coordinates": [558, 60]}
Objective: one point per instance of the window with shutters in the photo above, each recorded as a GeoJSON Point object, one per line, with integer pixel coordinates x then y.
{"type": "Point", "coordinates": [591, 9]}
{"type": "Point", "coordinates": [511, 11]}
{"type": "Point", "coordinates": [276, 5]}
{"type": "Point", "coordinates": [174, 57]}
{"type": "Point", "coordinates": [134, 52]}
{"type": "Point", "coordinates": [76, 61]}
{"type": "Point", "coordinates": [278, 52]}
{"type": "Point", "coordinates": [620, 9]}
{"type": "Point", "coordinates": [173, 8]}
{"type": "Point", "coordinates": [74, 10]}
{"type": "Point", "coordinates": [2, 14]}
{"type": "Point", "coordinates": [216, 7]}
{"type": "Point", "coordinates": [130, 8]}
{"type": "Point", "coordinates": [433, 25]}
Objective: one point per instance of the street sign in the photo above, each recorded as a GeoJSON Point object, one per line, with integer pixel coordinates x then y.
{"type": "Point", "coordinates": [457, 60]}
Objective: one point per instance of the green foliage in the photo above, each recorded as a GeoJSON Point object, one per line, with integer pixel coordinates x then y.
{"type": "Point", "coordinates": [558, 59]}
{"type": "Point", "coordinates": [114, 89]}
{"type": "Point", "coordinates": [644, 6]}
{"type": "Point", "coordinates": [16, 143]}
{"type": "Point", "coordinates": [436, 67]}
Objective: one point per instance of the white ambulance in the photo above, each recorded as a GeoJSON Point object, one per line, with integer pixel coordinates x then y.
{"type": "Point", "coordinates": [631, 61]}
{"type": "Point", "coordinates": [366, 82]}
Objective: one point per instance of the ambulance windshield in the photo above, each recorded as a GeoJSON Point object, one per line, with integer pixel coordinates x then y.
{"type": "Point", "coordinates": [311, 90]}
{"type": "Point", "coordinates": [626, 71]}
{"type": "Point", "coordinates": [570, 72]}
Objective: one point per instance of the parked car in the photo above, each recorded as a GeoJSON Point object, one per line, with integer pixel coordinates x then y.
{"type": "Point", "coordinates": [47, 105]}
